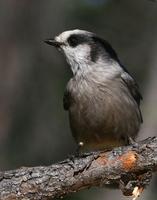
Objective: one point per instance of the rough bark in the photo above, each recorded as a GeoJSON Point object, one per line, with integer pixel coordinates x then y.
{"type": "Point", "coordinates": [127, 166]}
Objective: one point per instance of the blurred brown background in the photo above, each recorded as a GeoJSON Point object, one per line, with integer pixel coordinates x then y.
{"type": "Point", "coordinates": [34, 128]}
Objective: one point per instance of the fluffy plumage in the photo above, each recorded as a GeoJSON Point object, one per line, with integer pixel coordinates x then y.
{"type": "Point", "coordinates": [102, 98]}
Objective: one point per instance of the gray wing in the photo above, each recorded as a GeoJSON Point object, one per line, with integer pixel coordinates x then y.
{"type": "Point", "coordinates": [133, 88]}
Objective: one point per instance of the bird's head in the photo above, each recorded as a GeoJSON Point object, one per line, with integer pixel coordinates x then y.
{"type": "Point", "coordinates": [83, 49]}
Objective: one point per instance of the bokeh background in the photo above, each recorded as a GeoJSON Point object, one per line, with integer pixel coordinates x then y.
{"type": "Point", "coordinates": [34, 128]}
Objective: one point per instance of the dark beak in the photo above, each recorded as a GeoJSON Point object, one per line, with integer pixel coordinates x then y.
{"type": "Point", "coordinates": [52, 42]}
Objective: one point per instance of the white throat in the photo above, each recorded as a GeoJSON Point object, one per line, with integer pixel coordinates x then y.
{"type": "Point", "coordinates": [78, 58]}
{"type": "Point", "coordinates": [79, 67]}
{"type": "Point", "coordinates": [106, 69]}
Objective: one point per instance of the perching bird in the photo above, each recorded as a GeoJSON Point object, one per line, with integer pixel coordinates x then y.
{"type": "Point", "coordinates": [102, 98]}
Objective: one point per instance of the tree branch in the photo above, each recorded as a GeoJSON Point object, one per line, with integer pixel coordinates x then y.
{"type": "Point", "coordinates": [128, 166]}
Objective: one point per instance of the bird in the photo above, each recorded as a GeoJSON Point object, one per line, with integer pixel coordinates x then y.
{"type": "Point", "coordinates": [102, 98]}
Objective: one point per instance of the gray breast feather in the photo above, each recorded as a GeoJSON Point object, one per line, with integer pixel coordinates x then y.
{"type": "Point", "coordinates": [102, 107]}
{"type": "Point", "coordinates": [99, 81]}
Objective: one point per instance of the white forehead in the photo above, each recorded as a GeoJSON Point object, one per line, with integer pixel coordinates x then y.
{"type": "Point", "coordinates": [64, 35]}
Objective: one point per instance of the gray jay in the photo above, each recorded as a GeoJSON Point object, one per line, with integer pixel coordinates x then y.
{"type": "Point", "coordinates": [102, 98]}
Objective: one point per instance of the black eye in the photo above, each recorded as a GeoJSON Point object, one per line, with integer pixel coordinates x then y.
{"type": "Point", "coordinates": [73, 41]}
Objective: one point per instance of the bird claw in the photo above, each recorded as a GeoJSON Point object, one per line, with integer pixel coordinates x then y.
{"type": "Point", "coordinates": [132, 142]}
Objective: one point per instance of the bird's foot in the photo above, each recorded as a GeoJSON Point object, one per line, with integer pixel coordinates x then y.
{"type": "Point", "coordinates": [132, 142]}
